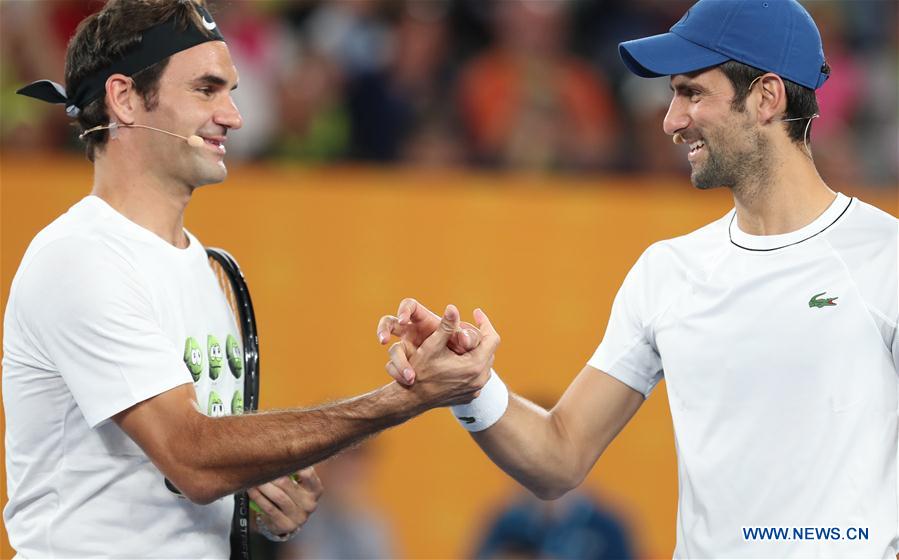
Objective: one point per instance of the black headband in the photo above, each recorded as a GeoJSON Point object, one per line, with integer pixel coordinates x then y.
{"type": "Point", "coordinates": [157, 43]}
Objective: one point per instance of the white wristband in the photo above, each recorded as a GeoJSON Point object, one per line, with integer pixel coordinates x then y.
{"type": "Point", "coordinates": [487, 408]}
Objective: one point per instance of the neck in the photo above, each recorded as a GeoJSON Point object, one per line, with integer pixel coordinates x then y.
{"type": "Point", "coordinates": [143, 197]}
{"type": "Point", "coordinates": [786, 196]}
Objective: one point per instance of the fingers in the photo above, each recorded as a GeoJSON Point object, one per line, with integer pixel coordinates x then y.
{"type": "Point", "coordinates": [303, 500]}
{"type": "Point", "coordinates": [465, 339]}
{"type": "Point", "coordinates": [277, 506]}
{"type": "Point", "coordinates": [489, 337]}
{"type": "Point", "coordinates": [396, 374]}
{"type": "Point", "coordinates": [398, 367]}
{"type": "Point", "coordinates": [387, 326]}
{"type": "Point", "coordinates": [449, 323]}
{"type": "Point", "coordinates": [411, 311]}
{"type": "Point", "coordinates": [288, 501]}
{"type": "Point", "coordinates": [309, 478]}
{"type": "Point", "coordinates": [407, 308]}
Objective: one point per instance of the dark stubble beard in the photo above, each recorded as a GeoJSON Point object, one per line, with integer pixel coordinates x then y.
{"type": "Point", "coordinates": [738, 158]}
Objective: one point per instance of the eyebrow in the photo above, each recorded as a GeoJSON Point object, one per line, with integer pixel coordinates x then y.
{"type": "Point", "coordinates": [212, 80]}
{"type": "Point", "coordinates": [685, 87]}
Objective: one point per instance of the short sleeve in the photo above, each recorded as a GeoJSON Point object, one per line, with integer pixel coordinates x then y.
{"type": "Point", "coordinates": [95, 321]}
{"type": "Point", "coordinates": [627, 351]}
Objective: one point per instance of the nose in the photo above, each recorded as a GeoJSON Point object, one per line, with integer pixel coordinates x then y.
{"type": "Point", "coordinates": [228, 115]}
{"type": "Point", "coordinates": [677, 118]}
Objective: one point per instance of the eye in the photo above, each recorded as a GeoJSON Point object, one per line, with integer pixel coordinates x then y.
{"type": "Point", "coordinates": [694, 96]}
{"type": "Point", "coordinates": [205, 90]}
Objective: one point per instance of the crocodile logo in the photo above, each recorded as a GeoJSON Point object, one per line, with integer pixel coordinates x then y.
{"type": "Point", "coordinates": [819, 302]}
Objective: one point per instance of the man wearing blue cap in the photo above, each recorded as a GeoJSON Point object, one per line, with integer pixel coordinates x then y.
{"type": "Point", "coordinates": [775, 326]}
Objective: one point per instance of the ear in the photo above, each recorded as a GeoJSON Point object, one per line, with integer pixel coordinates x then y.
{"type": "Point", "coordinates": [772, 98]}
{"type": "Point", "coordinates": [122, 100]}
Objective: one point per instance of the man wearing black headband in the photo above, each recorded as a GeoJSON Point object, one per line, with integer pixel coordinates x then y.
{"type": "Point", "coordinates": [115, 315]}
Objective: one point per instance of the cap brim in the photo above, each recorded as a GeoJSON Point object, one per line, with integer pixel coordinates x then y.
{"type": "Point", "coordinates": [665, 55]}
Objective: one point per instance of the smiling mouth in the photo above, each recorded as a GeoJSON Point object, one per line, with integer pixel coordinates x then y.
{"type": "Point", "coordinates": [695, 148]}
{"type": "Point", "coordinates": [218, 144]}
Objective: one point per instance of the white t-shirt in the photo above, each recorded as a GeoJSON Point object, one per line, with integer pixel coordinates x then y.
{"type": "Point", "coordinates": [104, 314]}
{"type": "Point", "coordinates": [780, 355]}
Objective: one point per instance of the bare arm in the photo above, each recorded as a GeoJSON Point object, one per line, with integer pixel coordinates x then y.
{"type": "Point", "coordinates": [548, 452]}
{"type": "Point", "coordinates": [551, 452]}
{"type": "Point", "coordinates": [206, 458]}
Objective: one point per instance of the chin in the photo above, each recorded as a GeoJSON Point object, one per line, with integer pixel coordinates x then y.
{"type": "Point", "coordinates": [703, 183]}
{"type": "Point", "coordinates": [211, 175]}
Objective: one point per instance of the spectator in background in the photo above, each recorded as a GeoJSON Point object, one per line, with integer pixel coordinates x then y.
{"type": "Point", "coordinates": [354, 33]}
{"type": "Point", "coordinates": [374, 81]}
{"type": "Point", "coordinates": [646, 102]}
{"type": "Point", "coordinates": [402, 111]}
{"type": "Point", "coordinates": [526, 102]}
{"type": "Point", "coordinates": [346, 525]}
{"type": "Point", "coordinates": [336, 42]}
{"type": "Point", "coordinates": [261, 47]}
{"type": "Point", "coordinates": [573, 527]}
{"type": "Point", "coordinates": [838, 101]}
{"type": "Point", "coordinates": [877, 50]}
{"type": "Point", "coordinates": [313, 120]}
{"type": "Point", "coordinates": [34, 35]}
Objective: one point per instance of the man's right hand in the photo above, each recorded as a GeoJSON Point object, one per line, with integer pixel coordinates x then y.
{"type": "Point", "coordinates": [413, 323]}
{"type": "Point", "coordinates": [444, 378]}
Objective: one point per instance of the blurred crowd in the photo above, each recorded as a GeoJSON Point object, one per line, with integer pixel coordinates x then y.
{"type": "Point", "coordinates": [521, 84]}
{"type": "Point", "coordinates": [349, 524]}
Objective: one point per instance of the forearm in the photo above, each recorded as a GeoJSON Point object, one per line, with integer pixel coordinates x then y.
{"type": "Point", "coordinates": [276, 443]}
{"type": "Point", "coordinates": [214, 457]}
{"type": "Point", "coordinates": [531, 445]}
{"type": "Point", "coordinates": [552, 452]}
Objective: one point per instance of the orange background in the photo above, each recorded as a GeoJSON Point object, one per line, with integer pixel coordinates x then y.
{"type": "Point", "coordinates": [328, 251]}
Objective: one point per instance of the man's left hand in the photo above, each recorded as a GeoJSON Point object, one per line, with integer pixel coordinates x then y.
{"type": "Point", "coordinates": [286, 502]}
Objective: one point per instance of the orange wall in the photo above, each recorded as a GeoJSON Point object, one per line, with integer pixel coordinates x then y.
{"type": "Point", "coordinates": [328, 251]}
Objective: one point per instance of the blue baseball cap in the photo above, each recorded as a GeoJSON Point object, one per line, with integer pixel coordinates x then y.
{"type": "Point", "coordinates": [776, 36]}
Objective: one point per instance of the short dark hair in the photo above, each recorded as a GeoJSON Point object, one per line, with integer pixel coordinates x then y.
{"type": "Point", "coordinates": [801, 101]}
{"type": "Point", "coordinates": [105, 36]}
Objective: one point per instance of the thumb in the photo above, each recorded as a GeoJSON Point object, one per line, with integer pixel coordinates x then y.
{"type": "Point", "coordinates": [449, 323]}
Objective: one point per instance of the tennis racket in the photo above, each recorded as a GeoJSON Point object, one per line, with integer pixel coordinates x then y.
{"type": "Point", "coordinates": [236, 292]}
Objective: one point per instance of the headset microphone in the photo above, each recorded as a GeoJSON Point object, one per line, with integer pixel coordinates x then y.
{"type": "Point", "coordinates": [193, 140]}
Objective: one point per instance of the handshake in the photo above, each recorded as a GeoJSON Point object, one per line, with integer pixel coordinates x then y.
{"type": "Point", "coordinates": [441, 361]}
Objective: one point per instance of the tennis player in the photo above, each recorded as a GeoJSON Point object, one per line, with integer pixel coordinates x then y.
{"type": "Point", "coordinates": [774, 326]}
{"type": "Point", "coordinates": [121, 359]}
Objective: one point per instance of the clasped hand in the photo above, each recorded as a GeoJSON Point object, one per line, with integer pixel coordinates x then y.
{"type": "Point", "coordinates": [442, 360]}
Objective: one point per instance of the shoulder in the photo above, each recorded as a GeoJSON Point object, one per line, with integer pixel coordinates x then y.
{"type": "Point", "coordinates": [690, 252]}
{"type": "Point", "coordinates": [79, 257]}
{"type": "Point", "coordinates": [668, 268]}
{"type": "Point", "coordinates": [86, 231]}
{"type": "Point", "coordinates": [66, 255]}
{"type": "Point", "coordinates": [866, 242]}
{"type": "Point", "coordinates": [864, 234]}
{"type": "Point", "coordinates": [864, 221]}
